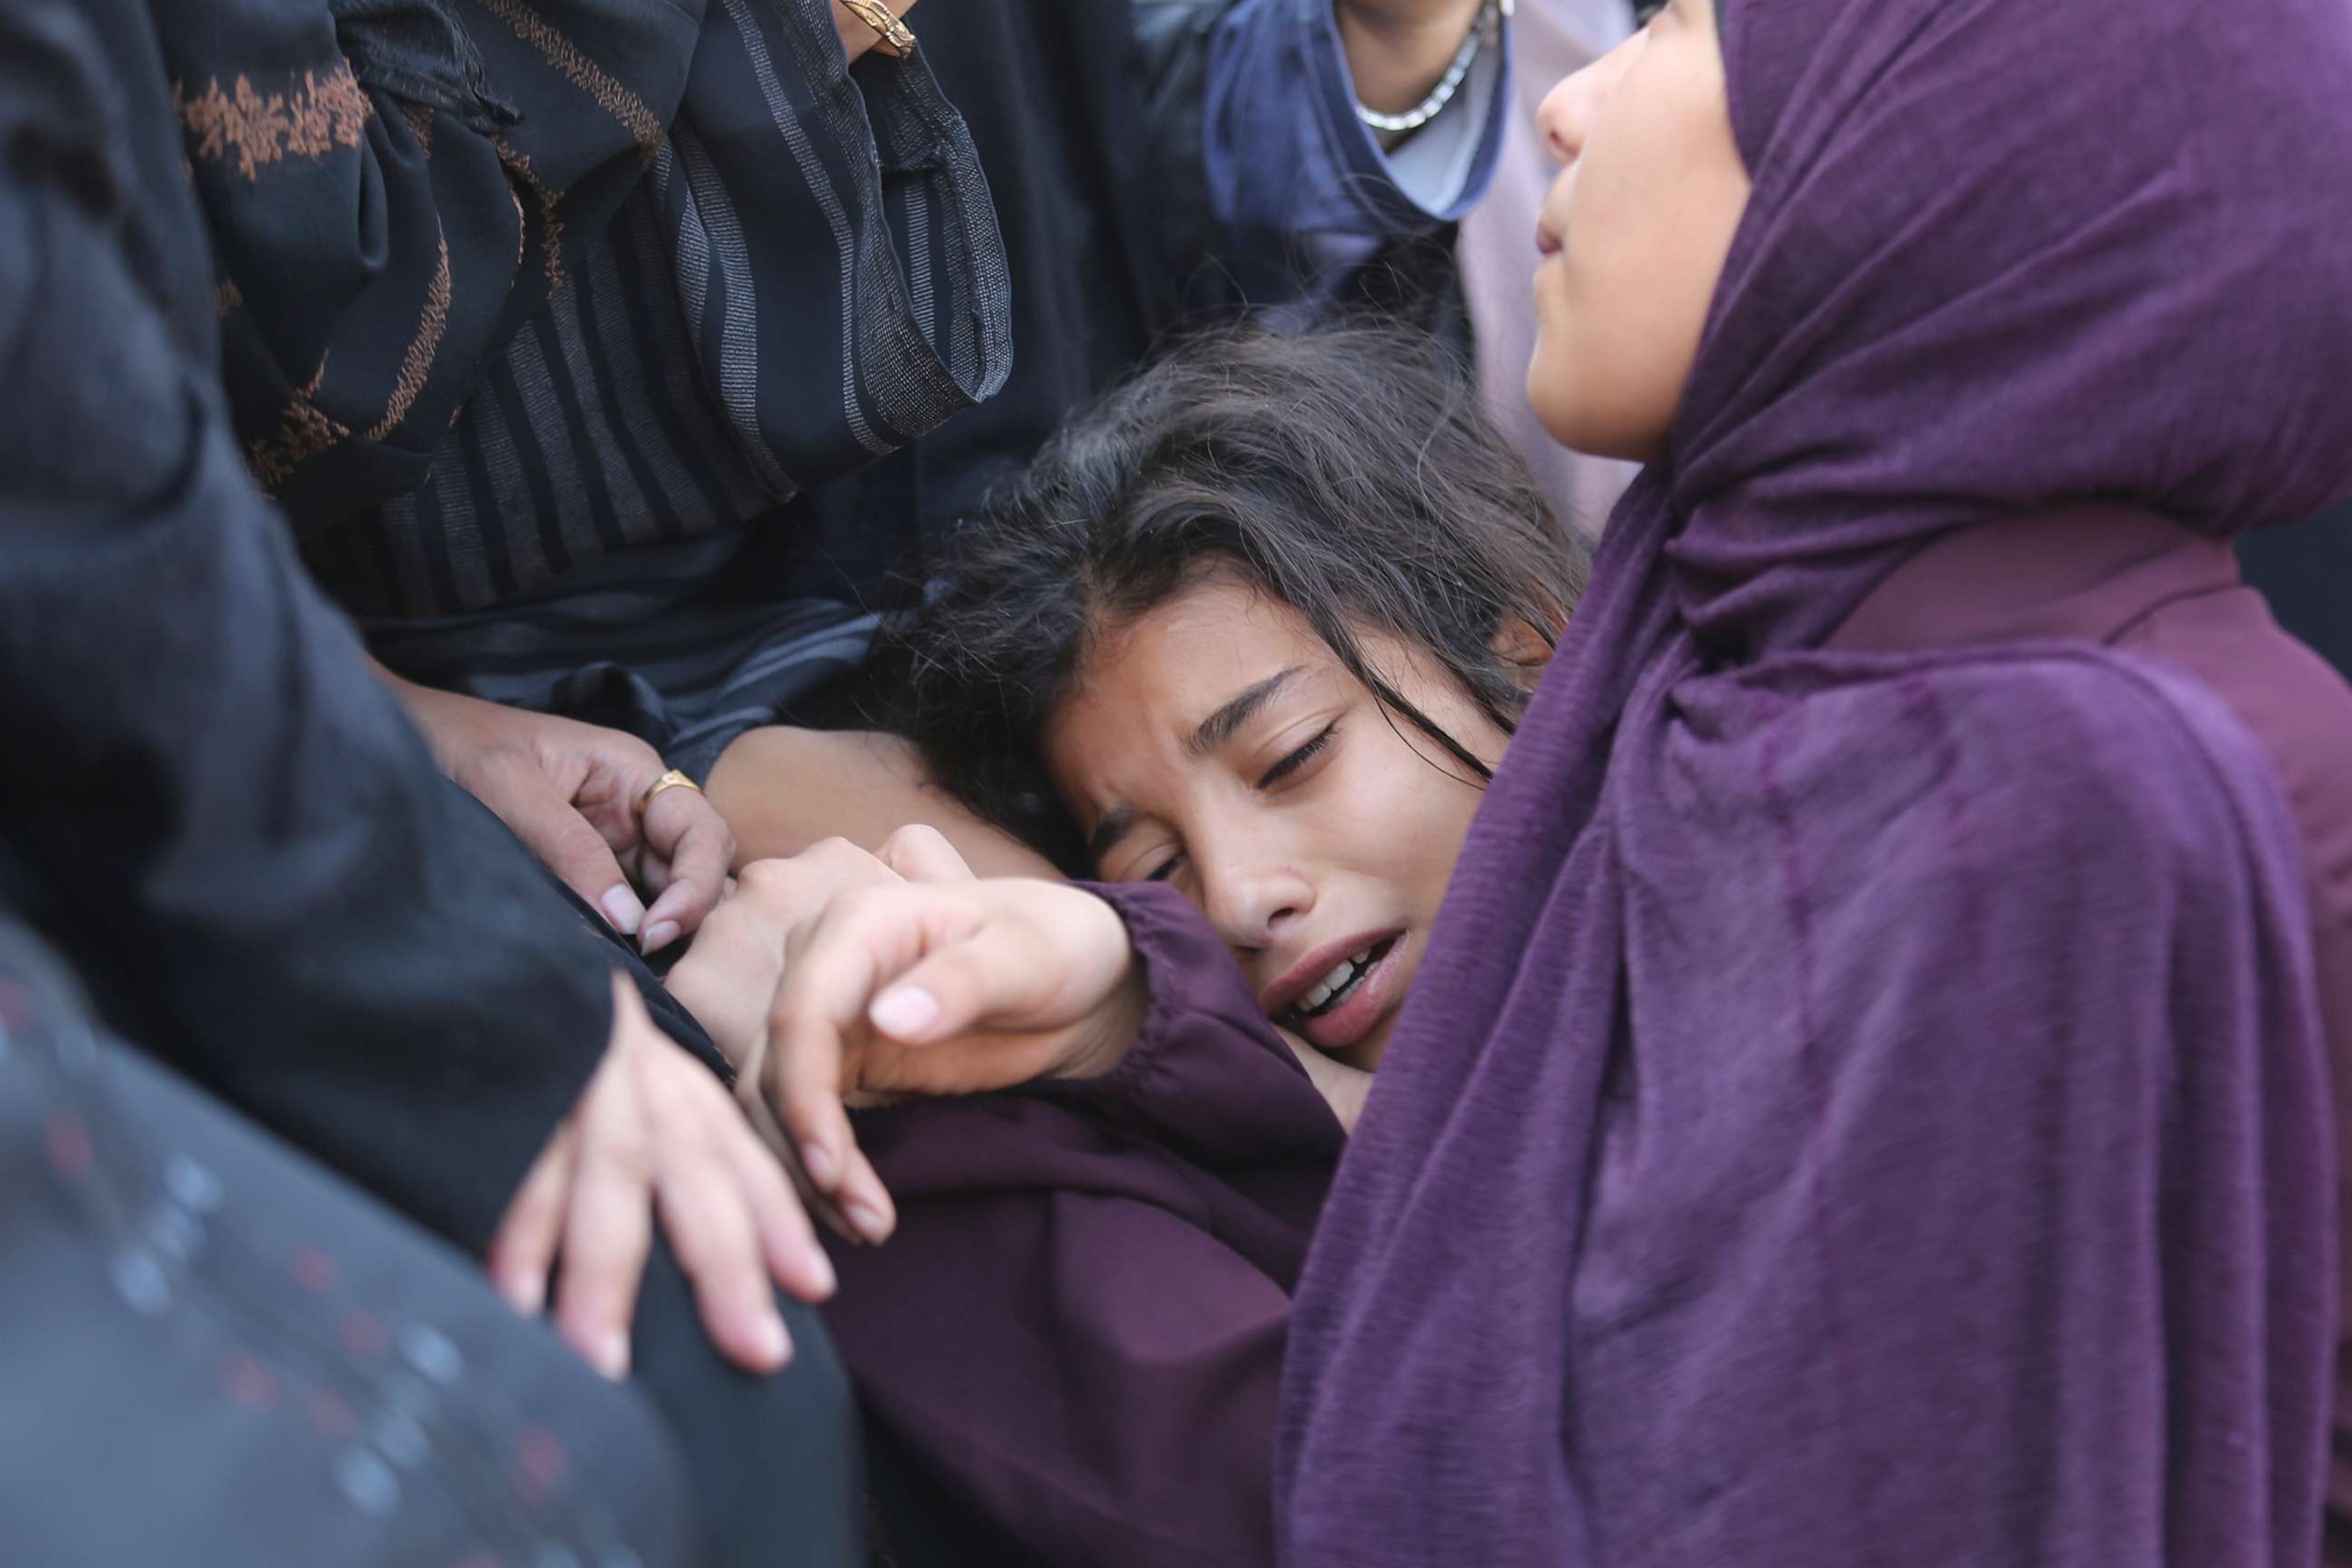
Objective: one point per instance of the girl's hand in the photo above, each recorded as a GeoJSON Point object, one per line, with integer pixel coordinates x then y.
{"type": "Point", "coordinates": [939, 988]}
{"type": "Point", "coordinates": [654, 1142]}
{"type": "Point", "coordinates": [729, 976]}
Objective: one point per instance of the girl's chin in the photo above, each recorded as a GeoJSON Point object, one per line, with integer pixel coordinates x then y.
{"type": "Point", "coordinates": [1365, 1055]}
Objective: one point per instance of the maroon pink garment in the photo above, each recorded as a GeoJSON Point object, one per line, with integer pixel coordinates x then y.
{"type": "Point", "coordinates": [1870, 1107]}
{"type": "Point", "coordinates": [1079, 1328]}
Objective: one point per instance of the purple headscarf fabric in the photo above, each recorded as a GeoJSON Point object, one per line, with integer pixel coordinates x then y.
{"type": "Point", "coordinates": [1869, 1107]}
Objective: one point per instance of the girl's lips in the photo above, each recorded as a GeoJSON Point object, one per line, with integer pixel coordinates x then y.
{"type": "Point", "coordinates": [1547, 242]}
{"type": "Point", "coordinates": [1376, 995]}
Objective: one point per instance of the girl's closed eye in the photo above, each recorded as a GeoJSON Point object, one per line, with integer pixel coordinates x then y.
{"type": "Point", "coordinates": [1298, 759]}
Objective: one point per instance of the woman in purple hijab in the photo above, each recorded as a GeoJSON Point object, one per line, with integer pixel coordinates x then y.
{"type": "Point", "coordinates": [1866, 1097]}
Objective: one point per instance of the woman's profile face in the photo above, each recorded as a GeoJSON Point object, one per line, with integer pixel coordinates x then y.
{"type": "Point", "coordinates": [1215, 742]}
{"type": "Point", "coordinates": [1634, 234]}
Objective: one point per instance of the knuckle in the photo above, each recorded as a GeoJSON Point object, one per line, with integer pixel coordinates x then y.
{"type": "Point", "coordinates": [836, 851]}
{"type": "Point", "coordinates": [766, 878]}
{"type": "Point", "coordinates": [915, 838]}
{"type": "Point", "coordinates": [864, 902]}
{"type": "Point", "coordinates": [625, 1149]}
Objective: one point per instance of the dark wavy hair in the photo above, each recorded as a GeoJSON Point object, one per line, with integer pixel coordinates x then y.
{"type": "Point", "coordinates": [1350, 474]}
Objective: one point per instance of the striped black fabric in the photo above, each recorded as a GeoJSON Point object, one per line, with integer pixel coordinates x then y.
{"type": "Point", "coordinates": [690, 371]}
{"type": "Point", "coordinates": [635, 277]}
{"type": "Point", "coordinates": [640, 642]}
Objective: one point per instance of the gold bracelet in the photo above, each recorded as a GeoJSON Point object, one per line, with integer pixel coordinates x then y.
{"type": "Point", "coordinates": [670, 780]}
{"type": "Point", "coordinates": [896, 39]}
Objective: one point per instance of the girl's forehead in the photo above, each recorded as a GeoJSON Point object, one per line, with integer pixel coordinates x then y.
{"type": "Point", "coordinates": [1212, 624]}
{"type": "Point", "coordinates": [1149, 688]}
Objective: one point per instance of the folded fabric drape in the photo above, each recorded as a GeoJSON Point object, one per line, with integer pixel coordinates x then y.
{"type": "Point", "coordinates": [672, 261]}
{"type": "Point", "coordinates": [1863, 1109]}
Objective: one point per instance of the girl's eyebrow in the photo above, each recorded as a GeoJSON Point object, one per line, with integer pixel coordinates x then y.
{"type": "Point", "coordinates": [1220, 727]}
{"type": "Point", "coordinates": [1214, 732]}
{"type": "Point", "coordinates": [1114, 826]}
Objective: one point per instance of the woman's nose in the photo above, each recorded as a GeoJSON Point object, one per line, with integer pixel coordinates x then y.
{"type": "Point", "coordinates": [1570, 109]}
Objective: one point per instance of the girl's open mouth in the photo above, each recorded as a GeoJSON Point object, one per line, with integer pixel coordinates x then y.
{"type": "Point", "coordinates": [1345, 1005]}
{"type": "Point", "coordinates": [1334, 989]}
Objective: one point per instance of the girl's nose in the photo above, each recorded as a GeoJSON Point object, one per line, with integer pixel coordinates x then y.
{"type": "Point", "coordinates": [1248, 904]}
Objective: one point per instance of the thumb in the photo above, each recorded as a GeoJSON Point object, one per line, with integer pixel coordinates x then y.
{"type": "Point", "coordinates": [922, 854]}
{"type": "Point", "coordinates": [565, 842]}
{"type": "Point", "coordinates": [988, 978]}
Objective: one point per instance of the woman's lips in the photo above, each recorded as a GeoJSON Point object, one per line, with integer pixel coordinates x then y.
{"type": "Point", "coordinates": [1547, 242]}
{"type": "Point", "coordinates": [1374, 997]}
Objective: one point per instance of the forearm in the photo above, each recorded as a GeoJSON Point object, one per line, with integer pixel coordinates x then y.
{"type": "Point", "coordinates": [782, 790]}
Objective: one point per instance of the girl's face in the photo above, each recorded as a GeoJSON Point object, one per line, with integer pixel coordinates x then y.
{"type": "Point", "coordinates": [1216, 743]}
{"type": "Point", "coordinates": [1634, 233]}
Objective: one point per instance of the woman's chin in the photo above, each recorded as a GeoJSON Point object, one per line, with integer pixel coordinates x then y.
{"type": "Point", "coordinates": [1582, 417]}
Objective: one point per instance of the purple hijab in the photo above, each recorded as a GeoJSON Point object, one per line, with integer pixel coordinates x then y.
{"type": "Point", "coordinates": [1869, 1107]}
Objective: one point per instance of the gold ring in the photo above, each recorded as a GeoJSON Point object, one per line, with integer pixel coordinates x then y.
{"type": "Point", "coordinates": [897, 39]}
{"type": "Point", "coordinates": [670, 780]}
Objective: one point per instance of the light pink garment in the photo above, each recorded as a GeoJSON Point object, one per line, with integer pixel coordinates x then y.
{"type": "Point", "coordinates": [1550, 38]}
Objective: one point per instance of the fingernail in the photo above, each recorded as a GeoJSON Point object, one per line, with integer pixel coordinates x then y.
{"type": "Point", "coordinates": [775, 1345]}
{"type": "Point", "coordinates": [904, 1011]}
{"type": "Point", "coordinates": [869, 1220]}
{"type": "Point", "coordinates": [818, 1162]}
{"type": "Point", "coordinates": [612, 1356]}
{"type": "Point", "coordinates": [621, 907]}
{"type": "Point", "coordinates": [821, 1272]}
{"type": "Point", "coordinates": [662, 933]}
{"type": "Point", "coordinates": [526, 1293]}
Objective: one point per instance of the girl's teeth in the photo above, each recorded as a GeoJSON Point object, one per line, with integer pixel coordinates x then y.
{"type": "Point", "coordinates": [1332, 984]}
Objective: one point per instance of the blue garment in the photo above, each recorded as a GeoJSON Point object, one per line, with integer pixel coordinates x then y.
{"type": "Point", "coordinates": [1295, 179]}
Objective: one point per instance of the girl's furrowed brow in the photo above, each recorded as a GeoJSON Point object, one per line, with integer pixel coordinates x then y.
{"type": "Point", "coordinates": [1221, 726]}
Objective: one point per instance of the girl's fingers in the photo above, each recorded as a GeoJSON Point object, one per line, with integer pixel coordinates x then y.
{"type": "Point", "coordinates": [710, 1228]}
{"type": "Point", "coordinates": [952, 991]}
{"type": "Point", "coordinates": [922, 854]}
{"type": "Point", "coordinates": [817, 1030]}
{"type": "Point", "coordinates": [830, 966]}
{"type": "Point", "coordinates": [522, 1253]}
{"type": "Point", "coordinates": [698, 1191]}
{"type": "Point", "coordinates": [795, 1258]}
{"type": "Point", "coordinates": [606, 1236]}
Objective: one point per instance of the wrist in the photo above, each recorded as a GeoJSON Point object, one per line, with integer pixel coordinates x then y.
{"type": "Point", "coordinates": [1111, 1032]}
